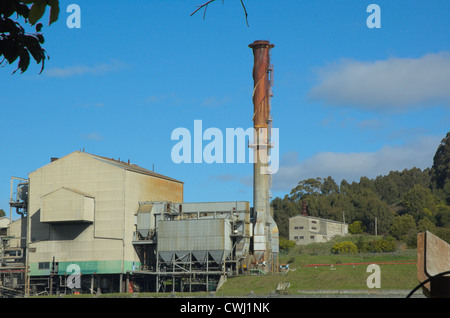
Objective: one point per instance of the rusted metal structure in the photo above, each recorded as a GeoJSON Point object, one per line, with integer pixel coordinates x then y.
{"type": "Point", "coordinates": [433, 266]}
{"type": "Point", "coordinates": [262, 83]}
{"type": "Point", "coordinates": [265, 242]}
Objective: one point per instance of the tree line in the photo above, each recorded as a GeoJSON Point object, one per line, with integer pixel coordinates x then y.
{"type": "Point", "coordinates": [400, 204]}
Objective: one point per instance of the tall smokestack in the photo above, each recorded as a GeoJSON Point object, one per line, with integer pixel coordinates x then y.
{"type": "Point", "coordinates": [261, 147]}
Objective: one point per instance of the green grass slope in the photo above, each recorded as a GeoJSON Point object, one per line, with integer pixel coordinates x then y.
{"type": "Point", "coordinates": [341, 272]}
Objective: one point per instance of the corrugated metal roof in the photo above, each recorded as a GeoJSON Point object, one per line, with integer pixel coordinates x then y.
{"type": "Point", "coordinates": [133, 167]}
{"type": "Point", "coordinates": [120, 164]}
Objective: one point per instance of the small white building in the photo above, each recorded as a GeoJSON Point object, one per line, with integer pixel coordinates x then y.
{"type": "Point", "coordinates": [308, 229]}
{"type": "Point", "coordinates": [4, 222]}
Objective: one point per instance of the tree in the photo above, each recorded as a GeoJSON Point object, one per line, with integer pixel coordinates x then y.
{"type": "Point", "coordinates": [440, 171]}
{"type": "Point", "coordinates": [446, 191]}
{"type": "Point", "coordinates": [390, 188]}
{"type": "Point", "coordinates": [307, 187]}
{"type": "Point", "coordinates": [2, 213]}
{"type": "Point", "coordinates": [387, 189]}
{"type": "Point", "coordinates": [443, 216]}
{"type": "Point", "coordinates": [15, 42]}
{"type": "Point", "coordinates": [329, 186]}
{"type": "Point", "coordinates": [426, 225]}
{"type": "Point", "coordinates": [419, 202]}
{"type": "Point", "coordinates": [283, 209]}
{"type": "Point", "coordinates": [402, 225]}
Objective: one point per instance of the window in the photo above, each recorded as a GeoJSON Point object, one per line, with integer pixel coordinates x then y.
{"type": "Point", "coordinates": [44, 265]}
{"type": "Point", "coordinates": [313, 228]}
{"type": "Point", "coordinates": [298, 227]}
{"type": "Point", "coordinates": [311, 237]}
{"type": "Point", "coordinates": [301, 237]}
{"type": "Point", "coordinates": [313, 222]}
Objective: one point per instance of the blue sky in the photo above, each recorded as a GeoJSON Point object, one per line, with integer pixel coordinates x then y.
{"type": "Point", "coordinates": [349, 101]}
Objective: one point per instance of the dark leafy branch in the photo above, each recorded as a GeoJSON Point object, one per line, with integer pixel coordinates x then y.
{"type": "Point", "coordinates": [204, 6]}
{"type": "Point", "coordinates": [15, 42]}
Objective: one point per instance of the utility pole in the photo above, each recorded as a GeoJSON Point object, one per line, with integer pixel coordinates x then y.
{"type": "Point", "coordinates": [376, 226]}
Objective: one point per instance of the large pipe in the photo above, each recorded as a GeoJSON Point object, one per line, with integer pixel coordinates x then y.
{"type": "Point", "coordinates": [261, 146]}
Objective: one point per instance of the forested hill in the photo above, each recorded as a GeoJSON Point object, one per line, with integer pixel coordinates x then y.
{"type": "Point", "coordinates": [402, 202]}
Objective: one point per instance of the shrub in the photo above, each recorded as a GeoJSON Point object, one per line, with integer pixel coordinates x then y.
{"type": "Point", "coordinates": [377, 245]}
{"type": "Point", "coordinates": [285, 245]}
{"type": "Point", "coordinates": [385, 245]}
{"type": "Point", "coordinates": [345, 247]}
{"type": "Point", "coordinates": [356, 227]}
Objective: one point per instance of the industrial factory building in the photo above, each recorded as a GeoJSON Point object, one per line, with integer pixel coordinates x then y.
{"type": "Point", "coordinates": [123, 228]}
{"type": "Point", "coordinates": [80, 211]}
{"type": "Point", "coordinates": [93, 224]}
{"type": "Point", "coordinates": [304, 229]}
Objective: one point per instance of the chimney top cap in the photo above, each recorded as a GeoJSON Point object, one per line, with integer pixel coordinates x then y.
{"type": "Point", "coordinates": [260, 43]}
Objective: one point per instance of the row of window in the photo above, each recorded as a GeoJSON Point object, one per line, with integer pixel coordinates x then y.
{"type": "Point", "coordinates": [302, 237]}
{"type": "Point", "coordinates": [301, 228]}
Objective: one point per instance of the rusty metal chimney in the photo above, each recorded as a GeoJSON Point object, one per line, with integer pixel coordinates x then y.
{"type": "Point", "coordinates": [261, 146]}
{"type": "Point", "coordinates": [304, 209]}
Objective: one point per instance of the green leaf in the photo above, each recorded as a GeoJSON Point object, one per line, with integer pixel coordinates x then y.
{"type": "Point", "coordinates": [24, 61]}
{"type": "Point", "coordinates": [36, 12]}
{"type": "Point", "coordinates": [32, 44]}
{"type": "Point", "coordinates": [11, 51]}
{"type": "Point", "coordinates": [40, 38]}
{"type": "Point", "coordinates": [7, 8]}
{"type": "Point", "coordinates": [9, 26]}
{"type": "Point", "coordinates": [38, 27]}
{"type": "Point", "coordinates": [23, 10]}
{"type": "Point", "coordinates": [54, 10]}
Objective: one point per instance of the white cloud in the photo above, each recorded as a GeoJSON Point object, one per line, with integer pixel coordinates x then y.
{"type": "Point", "coordinates": [370, 124]}
{"type": "Point", "coordinates": [215, 101]}
{"type": "Point", "coordinates": [78, 70]}
{"type": "Point", "coordinates": [392, 84]}
{"type": "Point", "coordinates": [93, 136]}
{"type": "Point", "coordinates": [352, 166]}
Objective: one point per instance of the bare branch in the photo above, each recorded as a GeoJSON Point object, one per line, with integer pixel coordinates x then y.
{"type": "Point", "coordinates": [245, 11]}
{"type": "Point", "coordinates": [202, 6]}
{"type": "Point", "coordinates": [205, 6]}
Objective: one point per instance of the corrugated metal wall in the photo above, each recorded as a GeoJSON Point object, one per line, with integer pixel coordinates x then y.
{"type": "Point", "coordinates": [199, 236]}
